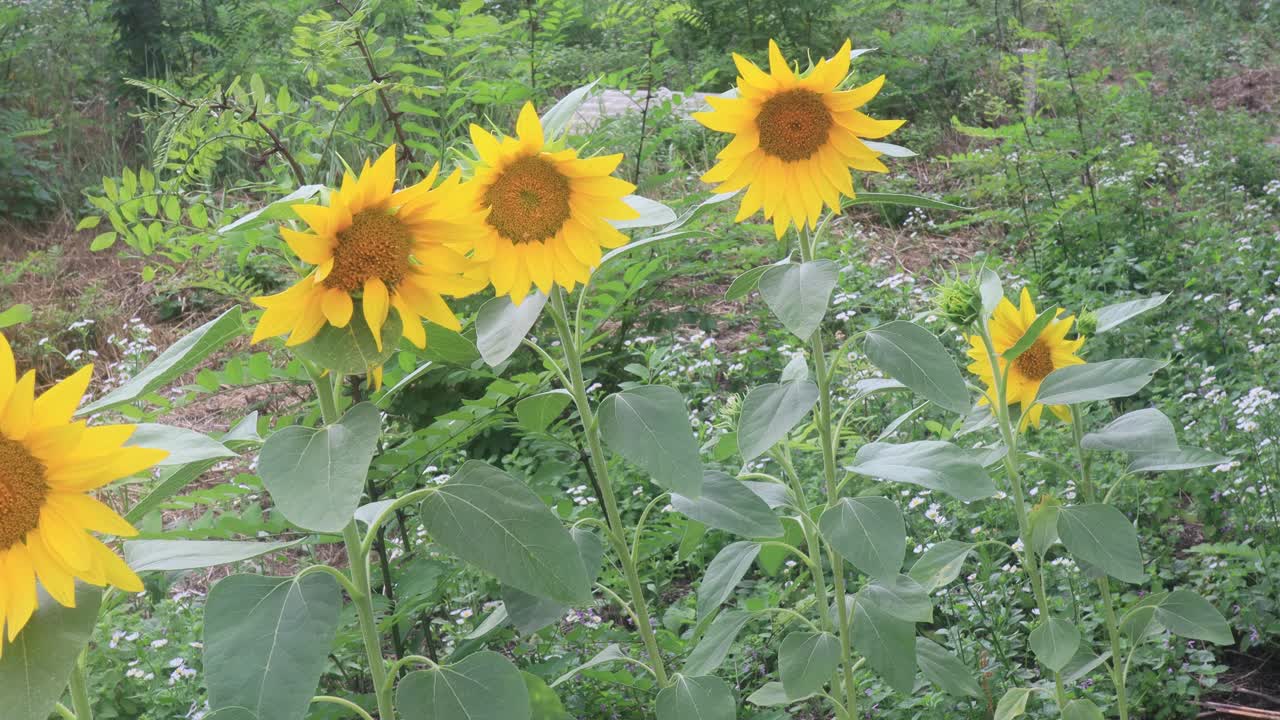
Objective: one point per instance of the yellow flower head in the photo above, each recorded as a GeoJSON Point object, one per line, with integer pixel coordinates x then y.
{"type": "Point", "coordinates": [48, 466]}
{"type": "Point", "coordinates": [401, 249]}
{"type": "Point", "coordinates": [1051, 350]}
{"type": "Point", "coordinates": [795, 138]}
{"type": "Point", "coordinates": [548, 212]}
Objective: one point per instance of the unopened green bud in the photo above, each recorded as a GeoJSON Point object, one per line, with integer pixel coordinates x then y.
{"type": "Point", "coordinates": [1087, 323]}
{"type": "Point", "coordinates": [960, 301]}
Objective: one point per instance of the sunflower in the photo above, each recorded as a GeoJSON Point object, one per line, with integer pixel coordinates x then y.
{"type": "Point", "coordinates": [547, 211]}
{"type": "Point", "coordinates": [48, 466]}
{"type": "Point", "coordinates": [795, 138]}
{"type": "Point", "coordinates": [401, 249]}
{"type": "Point", "coordinates": [1051, 350]}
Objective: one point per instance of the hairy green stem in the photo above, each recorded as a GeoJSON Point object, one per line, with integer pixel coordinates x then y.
{"type": "Point", "coordinates": [812, 541]}
{"type": "Point", "coordinates": [358, 559]}
{"type": "Point", "coordinates": [79, 686]}
{"type": "Point", "coordinates": [1118, 671]}
{"type": "Point", "coordinates": [340, 702]}
{"type": "Point", "coordinates": [600, 463]}
{"type": "Point", "coordinates": [1030, 562]}
{"type": "Point", "coordinates": [827, 440]}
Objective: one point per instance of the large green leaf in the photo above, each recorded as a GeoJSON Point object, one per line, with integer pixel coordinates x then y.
{"type": "Point", "coordinates": [887, 643]}
{"type": "Point", "coordinates": [913, 356]}
{"type": "Point", "coordinates": [899, 596]}
{"type": "Point", "coordinates": [231, 713]}
{"type": "Point", "coordinates": [267, 641]}
{"type": "Point", "coordinates": [696, 698]}
{"type": "Point", "coordinates": [649, 426]}
{"type": "Point", "coordinates": [1101, 536]}
{"type": "Point", "coordinates": [544, 704]}
{"type": "Point", "coordinates": [1113, 315]}
{"type": "Point", "coordinates": [945, 670]}
{"type": "Point", "coordinates": [482, 686]}
{"type": "Point", "coordinates": [530, 613]}
{"type": "Point", "coordinates": [492, 520]}
{"type": "Point", "coordinates": [716, 642]}
{"type": "Point", "coordinates": [176, 360]}
{"type": "Point", "coordinates": [879, 198]}
{"type": "Point", "coordinates": [555, 121]}
{"type": "Point", "coordinates": [536, 412]}
{"type": "Point", "coordinates": [316, 475]}
{"type": "Point", "coordinates": [869, 532]}
{"type": "Point", "coordinates": [940, 564]}
{"type": "Point", "coordinates": [770, 411]}
{"type": "Point", "coordinates": [1097, 381]}
{"type": "Point", "coordinates": [184, 446]}
{"type": "Point", "coordinates": [1180, 459]}
{"type": "Point", "coordinates": [1081, 709]}
{"type": "Point", "coordinates": [933, 464]}
{"type": "Point", "coordinates": [1141, 431]}
{"type": "Point", "coordinates": [806, 661]}
{"type": "Point", "coordinates": [501, 325]}
{"type": "Point", "coordinates": [724, 573]}
{"type": "Point", "coordinates": [1187, 614]}
{"type": "Point", "coordinates": [799, 293]}
{"type": "Point", "coordinates": [1012, 704]}
{"type": "Point", "coordinates": [1055, 642]}
{"type": "Point", "coordinates": [990, 290]}
{"type": "Point", "coordinates": [35, 666]}
{"type": "Point", "coordinates": [652, 213]}
{"type": "Point", "coordinates": [771, 694]}
{"type": "Point", "coordinates": [611, 653]}
{"type": "Point", "coordinates": [165, 555]}
{"type": "Point", "coordinates": [727, 504]}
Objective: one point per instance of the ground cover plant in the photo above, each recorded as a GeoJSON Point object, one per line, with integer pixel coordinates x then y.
{"type": "Point", "coordinates": [436, 360]}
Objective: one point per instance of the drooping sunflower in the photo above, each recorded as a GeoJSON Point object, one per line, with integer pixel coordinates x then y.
{"type": "Point", "coordinates": [402, 249]}
{"type": "Point", "coordinates": [547, 210]}
{"type": "Point", "coordinates": [795, 138]}
{"type": "Point", "coordinates": [1051, 351]}
{"type": "Point", "coordinates": [48, 466]}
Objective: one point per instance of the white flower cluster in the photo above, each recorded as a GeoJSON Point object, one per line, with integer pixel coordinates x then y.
{"type": "Point", "coordinates": [1250, 405]}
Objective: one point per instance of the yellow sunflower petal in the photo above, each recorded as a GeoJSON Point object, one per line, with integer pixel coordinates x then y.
{"type": "Point", "coordinates": [409, 320]}
{"type": "Point", "coordinates": [58, 403]}
{"type": "Point", "coordinates": [376, 301]}
{"type": "Point", "coordinates": [116, 571]}
{"type": "Point", "coordinates": [16, 418]}
{"type": "Point", "coordinates": [778, 66]}
{"type": "Point", "coordinates": [66, 542]}
{"type": "Point", "coordinates": [308, 247]}
{"type": "Point", "coordinates": [20, 579]}
{"type": "Point", "coordinates": [8, 370]}
{"type": "Point", "coordinates": [90, 513]}
{"type": "Point", "coordinates": [529, 128]}
{"type": "Point", "coordinates": [56, 579]}
{"type": "Point", "coordinates": [337, 307]}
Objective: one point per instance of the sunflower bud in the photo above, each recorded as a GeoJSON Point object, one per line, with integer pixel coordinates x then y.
{"type": "Point", "coordinates": [1087, 323]}
{"type": "Point", "coordinates": [960, 301]}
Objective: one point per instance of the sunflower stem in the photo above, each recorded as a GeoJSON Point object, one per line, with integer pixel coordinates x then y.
{"type": "Point", "coordinates": [360, 588]}
{"type": "Point", "coordinates": [573, 360]}
{"type": "Point", "coordinates": [828, 440]}
{"type": "Point", "coordinates": [1030, 562]}
{"type": "Point", "coordinates": [1118, 674]}
{"type": "Point", "coordinates": [79, 687]}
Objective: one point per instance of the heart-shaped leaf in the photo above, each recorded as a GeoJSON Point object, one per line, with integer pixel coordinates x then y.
{"type": "Point", "coordinates": [267, 641]}
{"type": "Point", "coordinates": [799, 293]}
{"type": "Point", "coordinates": [481, 686]}
{"type": "Point", "coordinates": [649, 426]}
{"type": "Point", "coordinates": [317, 475]}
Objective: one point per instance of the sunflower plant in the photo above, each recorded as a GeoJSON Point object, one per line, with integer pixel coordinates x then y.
{"type": "Point", "coordinates": [392, 252]}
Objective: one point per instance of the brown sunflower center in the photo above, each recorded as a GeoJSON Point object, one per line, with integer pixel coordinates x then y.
{"type": "Point", "coordinates": [22, 492]}
{"type": "Point", "coordinates": [376, 245]}
{"type": "Point", "coordinates": [794, 124]}
{"type": "Point", "coordinates": [1036, 363]}
{"type": "Point", "coordinates": [529, 201]}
